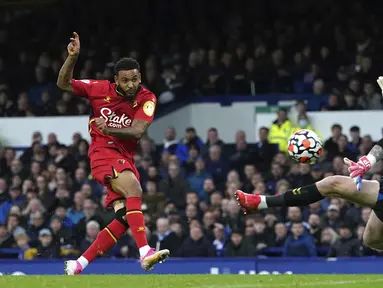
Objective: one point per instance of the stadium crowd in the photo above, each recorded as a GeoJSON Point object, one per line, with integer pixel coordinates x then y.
{"type": "Point", "coordinates": [51, 207]}
{"type": "Point", "coordinates": [204, 48]}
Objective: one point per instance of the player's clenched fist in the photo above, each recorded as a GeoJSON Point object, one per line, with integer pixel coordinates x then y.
{"type": "Point", "coordinates": [101, 124]}
{"type": "Point", "coordinates": [74, 45]}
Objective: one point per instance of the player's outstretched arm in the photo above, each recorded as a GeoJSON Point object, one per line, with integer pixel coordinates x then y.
{"type": "Point", "coordinates": [64, 80]}
{"type": "Point", "coordinates": [135, 132]}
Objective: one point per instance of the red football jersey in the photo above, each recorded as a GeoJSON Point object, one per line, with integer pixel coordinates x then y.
{"type": "Point", "coordinates": [118, 112]}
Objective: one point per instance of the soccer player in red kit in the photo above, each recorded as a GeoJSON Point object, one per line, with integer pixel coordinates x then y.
{"type": "Point", "coordinates": [121, 113]}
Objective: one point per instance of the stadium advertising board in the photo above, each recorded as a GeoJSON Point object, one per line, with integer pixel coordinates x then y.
{"type": "Point", "coordinates": [248, 266]}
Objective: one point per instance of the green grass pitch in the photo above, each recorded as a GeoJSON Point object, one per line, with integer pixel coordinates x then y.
{"type": "Point", "coordinates": [192, 281]}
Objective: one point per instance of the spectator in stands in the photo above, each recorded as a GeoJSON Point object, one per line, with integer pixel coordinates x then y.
{"type": "Point", "coordinates": [147, 151]}
{"type": "Point", "coordinates": [276, 174]}
{"type": "Point", "coordinates": [262, 238]}
{"type": "Point", "coordinates": [92, 229]}
{"type": "Point", "coordinates": [351, 101]}
{"type": "Point", "coordinates": [331, 144]}
{"type": "Point", "coordinates": [3, 190]}
{"type": "Point", "coordinates": [196, 245]}
{"type": "Point", "coordinates": [208, 221]}
{"type": "Point", "coordinates": [191, 213]}
{"type": "Point", "coordinates": [90, 215]}
{"type": "Point", "coordinates": [315, 228]}
{"type": "Point", "coordinates": [305, 177]}
{"type": "Point", "coordinates": [294, 214]}
{"type": "Point", "coordinates": [314, 208]}
{"type": "Point", "coordinates": [346, 245]}
{"type": "Point", "coordinates": [15, 198]}
{"type": "Point", "coordinates": [164, 237]}
{"type": "Point", "coordinates": [216, 165]}
{"type": "Point", "coordinates": [280, 235]}
{"type": "Point", "coordinates": [304, 123]}
{"type": "Point", "coordinates": [264, 151]}
{"type": "Point", "coordinates": [76, 213]}
{"type": "Point", "coordinates": [22, 243]}
{"type": "Point", "coordinates": [234, 218]}
{"type": "Point", "coordinates": [47, 248]}
{"type": "Point", "coordinates": [170, 142]}
{"type": "Point", "coordinates": [242, 155]}
{"type": "Point", "coordinates": [213, 139]}
{"type": "Point", "coordinates": [37, 223]}
{"type": "Point", "coordinates": [189, 164]}
{"type": "Point", "coordinates": [14, 225]}
{"type": "Point", "coordinates": [331, 219]}
{"type": "Point", "coordinates": [190, 138]}
{"type": "Point", "coordinates": [197, 178]}
{"type": "Point", "coordinates": [316, 173]}
{"type": "Point", "coordinates": [6, 239]}
{"type": "Point", "coordinates": [370, 99]}
{"type": "Point", "coordinates": [281, 130]}
{"type": "Point", "coordinates": [62, 236]}
{"type": "Point", "coordinates": [219, 241]}
{"type": "Point", "coordinates": [175, 187]}
{"type": "Point", "coordinates": [343, 150]}
{"type": "Point", "coordinates": [299, 244]}
{"type": "Point", "coordinates": [249, 172]}
{"type": "Point", "coordinates": [239, 246]}
{"type": "Point", "coordinates": [356, 140]}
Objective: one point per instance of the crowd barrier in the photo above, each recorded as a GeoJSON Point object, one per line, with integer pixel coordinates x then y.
{"type": "Point", "coordinates": [249, 266]}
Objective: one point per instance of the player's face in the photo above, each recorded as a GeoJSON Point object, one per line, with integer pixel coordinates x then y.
{"type": "Point", "coordinates": [128, 82]}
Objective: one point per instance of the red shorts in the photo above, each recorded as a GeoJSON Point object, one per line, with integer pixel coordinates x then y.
{"type": "Point", "coordinates": [109, 162]}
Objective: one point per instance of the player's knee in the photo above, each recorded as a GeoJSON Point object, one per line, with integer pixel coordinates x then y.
{"type": "Point", "coordinates": [119, 215]}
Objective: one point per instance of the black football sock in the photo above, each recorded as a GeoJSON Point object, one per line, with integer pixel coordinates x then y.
{"type": "Point", "coordinates": [302, 196]}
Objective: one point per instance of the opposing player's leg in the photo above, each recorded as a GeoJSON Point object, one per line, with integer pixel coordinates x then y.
{"type": "Point", "coordinates": [126, 184]}
{"type": "Point", "coordinates": [337, 186]}
{"type": "Point", "coordinates": [372, 236]}
{"type": "Point", "coordinates": [105, 240]}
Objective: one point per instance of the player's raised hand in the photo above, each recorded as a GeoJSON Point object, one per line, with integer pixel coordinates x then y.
{"type": "Point", "coordinates": [74, 45]}
{"type": "Point", "coordinates": [358, 169]}
{"type": "Point", "coordinates": [101, 124]}
{"type": "Point", "coordinates": [380, 83]}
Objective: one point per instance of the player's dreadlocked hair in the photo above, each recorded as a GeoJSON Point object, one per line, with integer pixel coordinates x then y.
{"type": "Point", "coordinates": [126, 64]}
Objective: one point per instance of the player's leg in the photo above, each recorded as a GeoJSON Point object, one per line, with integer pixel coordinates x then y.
{"type": "Point", "coordinates": [338, 186]}
{"type": "Point", "coordinates": [372, 236]}
{"type": "Point", "coordinates": [126, 184]}
{"type": "Point", "coordinates": [105, 240]}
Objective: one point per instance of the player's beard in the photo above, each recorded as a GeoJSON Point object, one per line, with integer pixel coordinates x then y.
{"type": "Point", "coordinates": [126, 94]}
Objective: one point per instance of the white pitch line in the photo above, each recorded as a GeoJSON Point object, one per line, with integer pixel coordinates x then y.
{"type": "Point", "coordinates": [301, 284]}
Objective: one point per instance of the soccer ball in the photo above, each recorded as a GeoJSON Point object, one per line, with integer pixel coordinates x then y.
{"type": "Point", "coordinates": [305, 146]}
